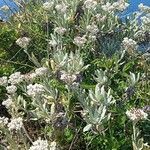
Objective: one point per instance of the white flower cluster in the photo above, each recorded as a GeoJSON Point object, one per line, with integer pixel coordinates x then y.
{"type": "Point", "coordinates": [80, 41]}
{"type": "Point", "coordinates": [36, 89]}
{"type": "Point", "coordinates": [100, 17]}
{"type": "Point", "coordinates": [60, 30]}
{"type": "Point", "coordinates": [108, 7]}
{"type": "Point", "coordinates": [136, 114]}
{"type": "Point", "coordinates": [30, 76]}
{"type": "Point", "coordinates": [120, 6]}
{"type": "Point", "coordinates": [11, 89]}
{"type": "Point", "coordinates": [39, 145]}
{"type": "Point", "coordinates": [3, 81]}
{"type": "Point", "coordinates": [37, 73]}
{"type": "Point", "coordinates": [40, 71]}
{"type": "Point", "coordinates": [15, 78]}
{"type": "Point", "coordinates": [3, 121]}
{"type": "Point", "coordinates": [53, 146]}
{"type": "Point", "coordinates": [53, 43]}
{"type": "Point", "coordinates": [48, 5]}
{"type": "Point", "coordinates": [145, 20]}
{"type": "Point", "coordinates": [90, 4]}
{"type": "Point", "coordinates": [23, 42]}
{"type": "Point", "coordinates": [68, 78]}
{"type": "Point", "coordinates": [4, 8]}
{"type": "Point", "coordinates": [15, 124]}
{"type": "Point", "coordinates": [61, 8]}
{"type": "Point", "coordinates": [144, 8]}
{"type": "Point", "coordinates": [129, 43]}
{"type": "Point", "coordinates": [93, 29]}
{"type": "Point", "coordinates": [8, 102]}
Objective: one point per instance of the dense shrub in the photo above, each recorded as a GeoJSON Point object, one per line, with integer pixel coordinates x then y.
{"type": "Point", "coordinates": [73, 76]}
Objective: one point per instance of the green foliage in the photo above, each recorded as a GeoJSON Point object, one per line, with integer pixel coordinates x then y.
{"type": "Point", "coordinates": [74, 93]}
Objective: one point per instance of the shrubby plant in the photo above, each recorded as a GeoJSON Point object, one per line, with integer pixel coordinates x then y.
{"type": "Point", "coordinates": [86, 83]}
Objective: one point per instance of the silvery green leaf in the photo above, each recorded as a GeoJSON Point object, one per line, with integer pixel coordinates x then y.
{"type": "Point", "coordinates": [34, 60]}
{"type": "Point", "coordinates": [103, 93]}
{"type": "Point", "coordinates": [140, 144]}
{"type": "Point", "coordinates": [138, 77]}
{"type": "Point", "coordinates": [132, 77]}
{"type": "Point", "coordinates": [108, 116]}
{"type": "Point", "coordinates": [97, 91]}
{"type": "Point", "coordinates": [84, 68]}
{"type": "Point", "coordinates": [92, 96]}
{"type": "Point", "coordinates": [87, 127]}
{"type": "Point", "coordinates": [52, 108]}
{"type": "Point", "coordinates": [103, 113]}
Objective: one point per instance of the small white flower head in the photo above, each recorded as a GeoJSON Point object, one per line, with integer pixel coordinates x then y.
{"type": "Point", "coordinates": [48, 5]}
{"type": "Point", "coordinates": [4, 8]}
{"type": "Point", "coordinates": [60, 30]}
{"type": "Point", "coordinates": [61, 8]}
{"type": "Point", "coordinates": [92, 37]}
{"type": "Point", "coordinates": [100, 17]}
{"type": "Point", "coordinates": [34, 90]}
{"type": "Point", "coordinates": [136, 114]}
{"type": "Point", "coordinates": [3, 121]}
{"type": "Point", "coordinates": [41, 71]}
{"type": "Point", "coordinates": [145, 20]}
{"type": "Point", "coordinates": [120, 5]}
{"type": "Point", "coordinates": [52, 43]}
{"type": "Point", "coordinates": [53, 146]}
{"type": "Point", "coordinates": [144, 8]}
{"type": "Point", "coordinates": [30, 76]}
{"type": "Point", "coordinates": [129, 43]}
{"type": "Point", "coordinates": [23, 42]}
{"type": "Point", "coordinates": [93, 29]}
{"type": "Point", "coordinates": [15, 124]}
{"type": "Point", "coordinates": [11, 89]}
{"type": "Point", "coordinates": [15, 78]}
{"type": "Point", "coordinates": [80, 41]}
{"type": "Point", "coordinates": [8, 102]}
{"type": "Point", "coordinates": [90, 4]}
{"type": "Point", "coordinates": [40, 145]}
{"type": "Point", "coordinates": [3, 81]}
{"type": "Point", "coordinates": [68, 78]}
{"type": "Point", "coordinates": [108, 7]}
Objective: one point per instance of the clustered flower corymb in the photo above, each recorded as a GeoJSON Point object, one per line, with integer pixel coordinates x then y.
{"type": "Point", "coordinates": [136, 114]}
{"type": "Point", "coordinates": [68, 78]}
{"type": "Point", "coordinates": [11, 89]}
{"type": "Point", "coordinates": [4, 8]}
{"type": "Point", "coordinates": [93, 29]}
{"type": "Point", "coordinates": [3, 81]}
{"type": "Point", "coordinates": [90, 4]}
{"type": "Point", "coordinates": [145, 20]}
{"type": "Point", "coordinates": [40, 145]}
{"type": "Point", "coordinates": [129, 44]}
{"type": "Point", "coordinates": [61, 8]}
{"type": "Point", "coordinates": [15, 124]}
{"type": "Point", "coordinates": [60, 30]}
{"type": "Point", "coordinates": [111, 7]}
{"type": "Point", "coordinates": [23, 42]}
{"type": "Point", "coordinates": [35, 89]}
{"type": "Point", "coordinates": [144, 8]}
{"type": "Point", "coordinates": [15, 78]}
{"type": "Point", "coordinates": [48, 5]}
{"type": "Point", "coordinates": [41, 71]}
{"type": "Point", "coordinates": [80, 41]}
{"type": "Point", "coordinates": [8, 102]}
{"type": "Point", "coordinates": [3, 121]}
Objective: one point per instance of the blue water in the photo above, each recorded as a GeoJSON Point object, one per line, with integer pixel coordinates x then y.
{"type": "Point", "coordinates": [133, 7]}
{"type": "Point", "coordinates": [11, 4]}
